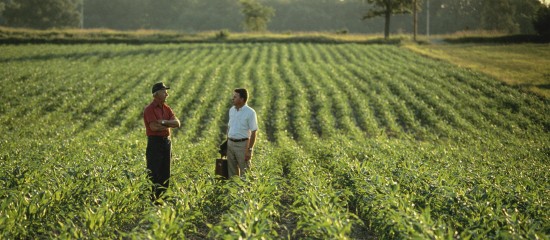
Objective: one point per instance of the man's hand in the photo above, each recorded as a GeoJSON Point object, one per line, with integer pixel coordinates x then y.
{"type": "Point", "coordinates": [157, 126]}
{"type": "Point", "coordinates": [250, 146]}
{"type": "Point", "coordinates": [174, 123]}
{"type": "Point", "coordinates": [248, 155]}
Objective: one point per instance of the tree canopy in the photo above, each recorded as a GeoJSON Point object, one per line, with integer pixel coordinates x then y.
{"type": "Point", "coordinates": [256, 15]}
{"type": "Point", "coordinates": [542, 21]}
{"type": "Point", "coordinates": [41, 14]}
{"type": "Point", "coordinates": [446, 16]}
{"type": "Point", "coordinates": [387, 8]}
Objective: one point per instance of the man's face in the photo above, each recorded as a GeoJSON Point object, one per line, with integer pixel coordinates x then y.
{"type": "Point", "coordinates": [237, 100]}
{"type": "Point", "coordinates": [162, 95]}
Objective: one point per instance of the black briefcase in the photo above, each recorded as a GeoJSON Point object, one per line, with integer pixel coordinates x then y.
{"type": "Point", "coordinates": [221, 168]}
{"type": "Point", "coordinates": [221, 163]}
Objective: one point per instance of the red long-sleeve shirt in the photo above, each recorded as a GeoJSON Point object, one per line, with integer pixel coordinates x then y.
{"type": "Point", "coordinates": [157, 111]}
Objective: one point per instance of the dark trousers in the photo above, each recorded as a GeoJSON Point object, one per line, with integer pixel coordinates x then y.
{"type": "Point", "coordinates": [158, 156]}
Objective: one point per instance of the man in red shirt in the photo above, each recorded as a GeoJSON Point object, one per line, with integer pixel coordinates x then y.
{"type": "Point", "coordinates": [159, 118]}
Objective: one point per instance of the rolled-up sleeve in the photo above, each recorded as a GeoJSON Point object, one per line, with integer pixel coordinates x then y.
{"type": "Point", "coordinates": [253, 121]}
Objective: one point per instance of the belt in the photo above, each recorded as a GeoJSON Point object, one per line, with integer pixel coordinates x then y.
{"type": "Point", "coordinates": [238, 140]}
{"type": "Point", "coordinates": [159, 137]}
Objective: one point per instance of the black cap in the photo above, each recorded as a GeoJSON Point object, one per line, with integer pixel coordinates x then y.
{"type": "Point", "coordinates": [159, 86]}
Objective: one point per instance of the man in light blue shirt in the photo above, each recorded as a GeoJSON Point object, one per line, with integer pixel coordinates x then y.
{"type": "Point", "coordinates": [241, 134]}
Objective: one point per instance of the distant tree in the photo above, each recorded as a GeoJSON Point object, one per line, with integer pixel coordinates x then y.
{"type": "Point", "coordinates": [542, 21]}
{"type": "Point", "coordinates": [42, 14]}
{"type": "Point", "coordinates": [416, 5]}
{"type": "Point", "coordinates": [2, 7]}
{"type": "Point", "coordinates": [498, 15]}
{"type": "Point", "coordinates": [387, 8]}
{"type": "Point", "coordinates": [449, 16]}
{"type": "Point", "coordinates": [525, 12]}
{"type": "Point", "coordinates": [117, 14]}
{"type": "Point", "coordinates": [213, 15]}
{"type": "Point", "coordinates": [3, 4]}
{"type": "Point", "coordinates": [163, 14]}
{"type": "Point", "coordinates": [256, 15]}
{"type": "Point", "coordinates": [182, 15]}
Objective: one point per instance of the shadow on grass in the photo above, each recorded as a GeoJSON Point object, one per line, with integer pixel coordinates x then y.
{"type": "Point", "coordinates": [139, 41]}
{"type": "Point", "coordinates": [522, 38]}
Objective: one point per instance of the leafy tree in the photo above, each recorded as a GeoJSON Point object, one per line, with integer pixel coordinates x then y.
{"type": "Point", "coordinates": [256, 15]}
{"type": "Point", "coordinates": [513, 16]}
{"type": "Point", "coordinates": [387, 8]}
{"type": "Point", "coordinates": [449, 16]}
{"type": "Point", "coordinates": [117, 14]}
{"type": "Point", "coordinates": [498, 15]}
{"type": "Point", "coordinates": [542, 21]}
{"type": "Point", "coordinates": [187, 15]}
{"type": "Point", "coordinates": [2, 7]}
{"type": "Point", "coordinates": [42, 14]}
{"type": "Point", "coordinates": [525, 12]}
{"type": "Point", "coordinates": [208, 15]}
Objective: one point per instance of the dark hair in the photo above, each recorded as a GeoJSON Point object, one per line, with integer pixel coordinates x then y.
{"type": "Point", "coordinates": [242, 92]}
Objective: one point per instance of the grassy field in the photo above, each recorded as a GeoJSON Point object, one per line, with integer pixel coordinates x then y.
{"type": "Point", "coordinates": [525, 66]}
{"type": "Point", "coordinates": [356, 142]}
{"type": "Point", "coordinates": [79, 36]}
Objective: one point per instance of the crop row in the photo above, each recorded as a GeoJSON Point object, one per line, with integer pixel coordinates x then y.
{"type": "Point", "coordinates": [354, 141]}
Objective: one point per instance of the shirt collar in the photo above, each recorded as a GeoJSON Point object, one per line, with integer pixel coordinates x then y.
{"type": "Point", "coordinates": [239, 109]}
{"type": "Point", "coordinates": [157, 103]}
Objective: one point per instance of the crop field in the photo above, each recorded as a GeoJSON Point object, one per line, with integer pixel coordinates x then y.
{"type": "Point", "coordinates": [355, 142]}
{"type": "Point", "coordinates": [524, 66]}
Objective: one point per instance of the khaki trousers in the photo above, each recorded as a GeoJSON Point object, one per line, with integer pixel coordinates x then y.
{"type": "Point", "coordinates": [236, 164]}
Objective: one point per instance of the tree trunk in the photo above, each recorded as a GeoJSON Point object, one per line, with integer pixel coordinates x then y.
{"type": "Point", "coordinates": [415, 20]}
{"type": "Point", "coordinates": [387, 25]}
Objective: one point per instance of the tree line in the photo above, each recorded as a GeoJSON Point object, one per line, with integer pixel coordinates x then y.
{"type": "Point", "coordinates": [357, 16]}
